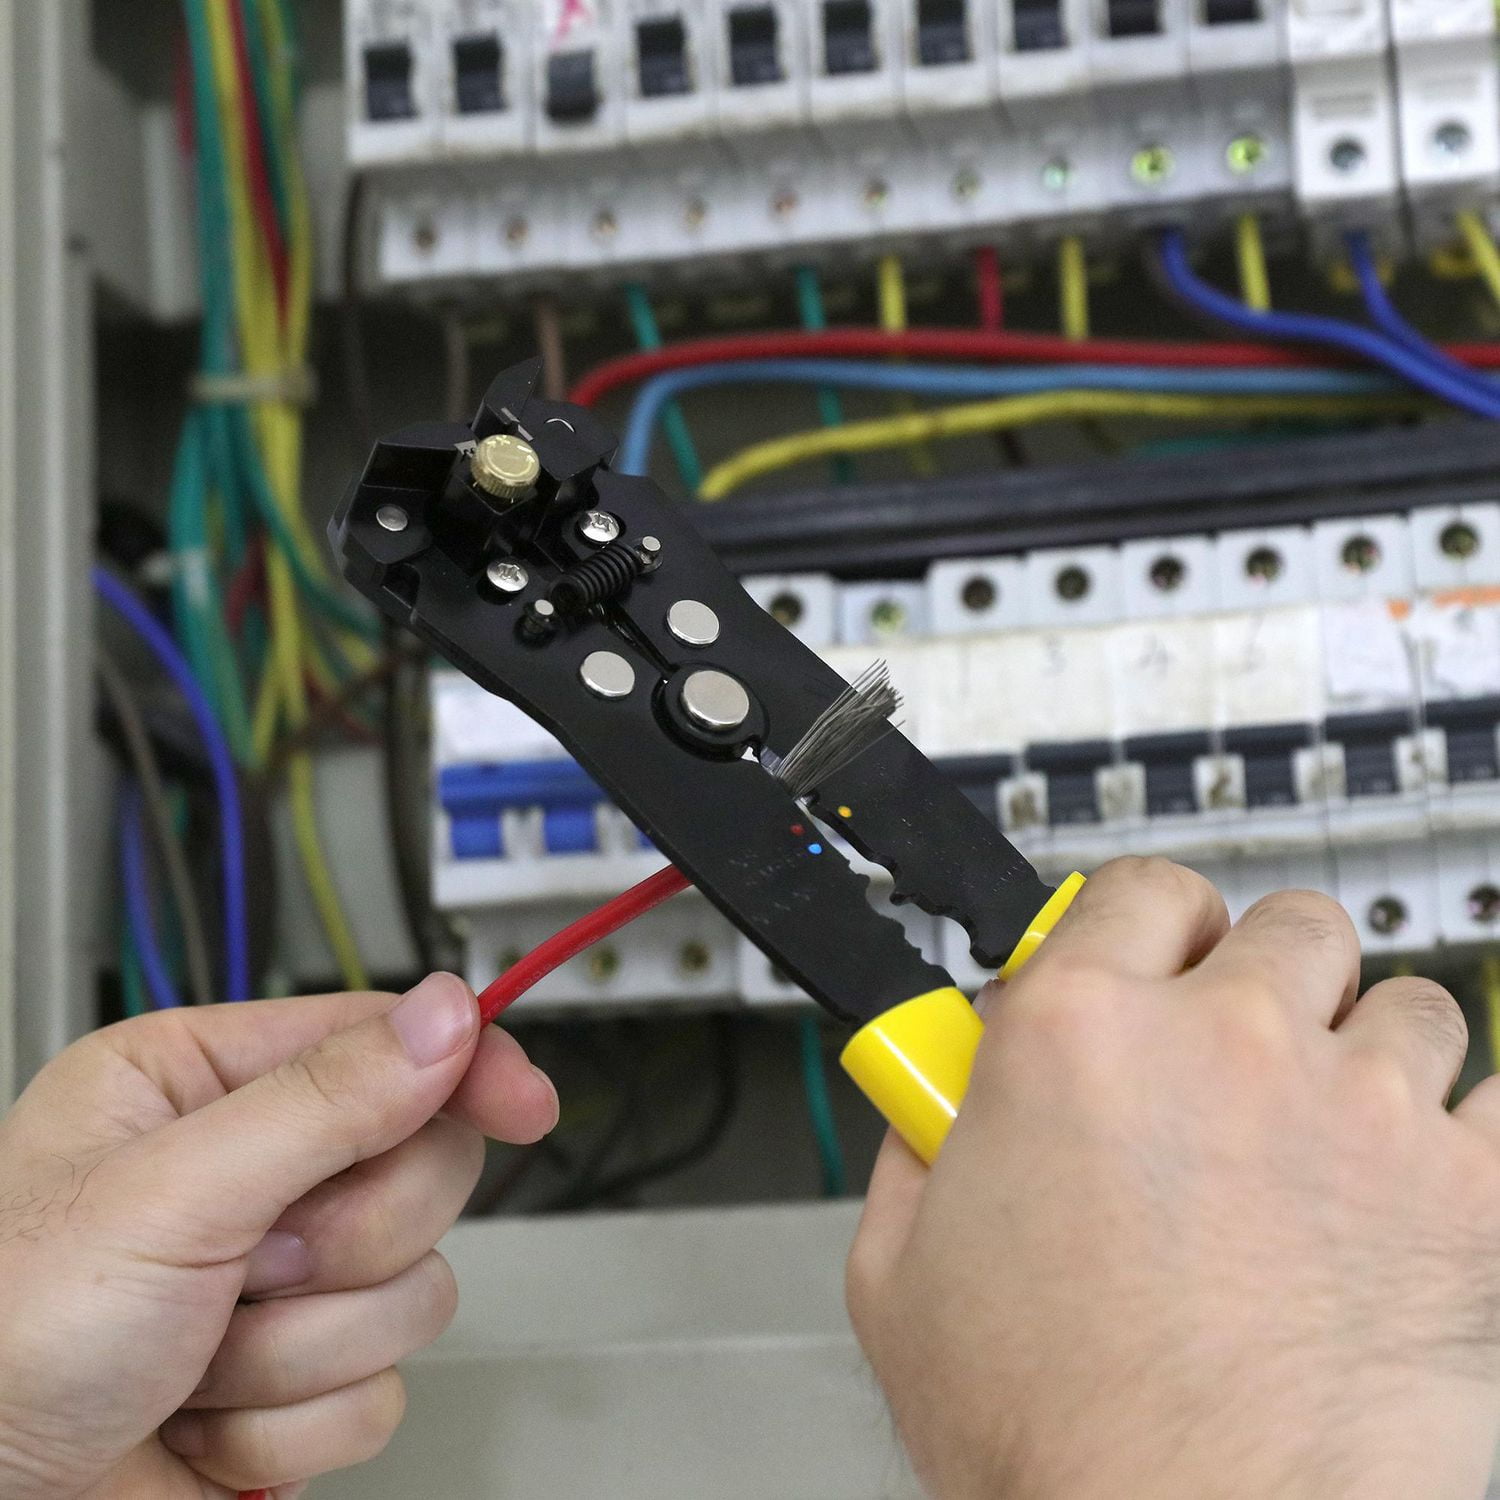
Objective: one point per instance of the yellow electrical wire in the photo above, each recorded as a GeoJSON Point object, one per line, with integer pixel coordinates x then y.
{"type": "Point", "coordinates": [1073, 287]}
{"type": "Point", "coordinates": [1019, 411]}
{"type": "Point", "coordinates": [1250, 250]}
{"type": "Point", "coordinates": [267, 350]}
{"type": "Point", "coordinates": [890, 284]}
{"type": "Point", "coordinates": [1480, 244]}
{"type": "Point", "coordinates": [1490, 973]}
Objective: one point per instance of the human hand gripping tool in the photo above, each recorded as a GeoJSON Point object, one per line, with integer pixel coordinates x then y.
{"type": "Point", "coordinates": [588, 599]}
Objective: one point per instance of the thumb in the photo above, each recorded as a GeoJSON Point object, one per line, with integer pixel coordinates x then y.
{"type": "Point", "coordinates": [220, 1177]}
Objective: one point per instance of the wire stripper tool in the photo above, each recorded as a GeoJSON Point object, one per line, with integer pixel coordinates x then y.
{"type": "Point", "coordinates": [588, 599]}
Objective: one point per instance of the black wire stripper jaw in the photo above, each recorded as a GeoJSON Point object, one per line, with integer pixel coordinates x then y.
{"type": "Point", "coordinates": [588, 599]}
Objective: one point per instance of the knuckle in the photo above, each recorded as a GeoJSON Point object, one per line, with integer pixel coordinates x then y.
{"type": "Point", "coordinates": [244, 1442]}
{"type": "Point", "coordinates": [377, 1415]}
{"type": "Point", "coordinates": [1161, 877]}
{"type": "Point", "coordinates": [440, 1288]}
{"type": "Point", "coordinates": [1439, 1018]}
{"type": "Point", "coordinates": [1307, 918]}
{"type": "Point", "coordinates": [324, 1079]}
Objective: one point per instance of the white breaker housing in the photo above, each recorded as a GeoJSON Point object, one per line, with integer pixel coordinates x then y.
{"type": "Point", "coordinates": [1311, 705]}
{"type": "Point", "coordinates": [532, 137]}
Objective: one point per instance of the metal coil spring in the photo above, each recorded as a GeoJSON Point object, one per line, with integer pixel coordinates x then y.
{"type": "Point", "coordinates": [605, 575]}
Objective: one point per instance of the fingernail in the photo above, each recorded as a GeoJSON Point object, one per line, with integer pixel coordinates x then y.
{"type": "Point", "coordinates": [280, 1262]}
{"type": "Point", "coordinates": [435, 1019]}
{"type": "Point", "coordinates": [185, 1434]}
{"type": "Point", "coordinates": [552, 1091]}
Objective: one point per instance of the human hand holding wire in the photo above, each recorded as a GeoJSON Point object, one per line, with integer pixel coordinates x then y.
{"type": "Point", "coordinates": [217, 1231]}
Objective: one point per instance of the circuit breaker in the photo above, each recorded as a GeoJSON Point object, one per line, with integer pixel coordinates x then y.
{"type": "Point", "coordinates": [1316, 702]}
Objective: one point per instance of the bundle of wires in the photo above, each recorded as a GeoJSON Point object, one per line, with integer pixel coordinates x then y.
{"type": "Point", "coordinates": [258, 622]}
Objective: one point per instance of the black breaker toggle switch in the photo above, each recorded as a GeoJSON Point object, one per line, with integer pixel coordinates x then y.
{"type": "Point", "coordinates": [754, 46]}
{"type": "Point", "coordinates": [942, 33]}
{"type": "Point", "coordinates": [848, 37]}
{"type": "Point", "coordinates": [572, 89]}
{"type": "Point", "coordinates": [661, 47]}
{"type": "Point", "coordinates": [388, 94]}
{"type": "Point", "coordinates": [1039, 25]}
{"type": "Point", "coordinates": [1134, 17]}
{"type": "Point", "coordinates": [477, 81]}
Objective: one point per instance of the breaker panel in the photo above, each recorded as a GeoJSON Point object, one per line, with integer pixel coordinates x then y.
{"type": "Point", "coordinates": [587, 134]}
{"type": "Point", "coordinates": [1307, 705]}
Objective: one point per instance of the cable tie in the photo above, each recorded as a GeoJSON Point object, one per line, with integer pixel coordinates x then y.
{"type": "Point", "coordinates": [294, 387]}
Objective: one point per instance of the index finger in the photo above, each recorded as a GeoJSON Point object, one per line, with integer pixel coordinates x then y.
{"type": "Point", "coordinates": [1145, 917]}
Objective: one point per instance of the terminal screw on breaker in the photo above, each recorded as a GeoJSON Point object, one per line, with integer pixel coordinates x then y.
{"type": "Point", "coordinates": [586, 598]}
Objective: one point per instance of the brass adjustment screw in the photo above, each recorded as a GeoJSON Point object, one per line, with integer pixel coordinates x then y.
{"type": "Point", "coordinates": [506, 468]}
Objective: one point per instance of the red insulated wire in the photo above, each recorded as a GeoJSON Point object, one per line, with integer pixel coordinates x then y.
{"type": "Point", "coordinates": [182, 98]}
{"type": "Point", "coordinates": [572, 940]}
{"type": "Point", "coordinates": [990, 287]}
{"type": "Point", "coordinates": [958, 344]}
{"type": "Point", "coordinates": [920, 343]}
{"type": "Point", "coordinates": [255, 164]}
{"type": "Point", "coordinates": [246, 585]}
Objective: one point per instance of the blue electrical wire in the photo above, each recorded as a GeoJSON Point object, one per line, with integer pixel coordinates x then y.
{"type": "Point", "coordinates": [136, 885]}
{"type": "Point", "coordinates": [975, 383]}
{"type": "Point", "coordinates": [1383, 313]}
{"type": "Point", "coordinates": [1328, 333]}
{"type": "Point", "coordinates": [226, 786]}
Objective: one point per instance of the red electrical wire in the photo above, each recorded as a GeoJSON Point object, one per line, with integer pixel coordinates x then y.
{"type": "Point", "coordinates": [958, 344]}
{"type": "Point", "coordinates": [255, 163]}
{"type": "Point", "coordinates": [572, 940]}
{"type": "Point", "coordinates": [247, 585]}
{"type": "Point", "coordinates": [990, 287]}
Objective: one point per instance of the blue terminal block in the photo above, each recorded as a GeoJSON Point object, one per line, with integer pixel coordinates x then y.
{"type": "Point", "coordinates": [476, 797]}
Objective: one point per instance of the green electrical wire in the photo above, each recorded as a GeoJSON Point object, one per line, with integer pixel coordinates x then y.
{"type": "Point", "coordinates": [202, 470]}
{"type": "Point", "coordinates": [820, 1107]}
{"type": "Point", "coordinates": [674, 424]}
{"type": "Point", "coordinates": [236, 469]}
{"type": "Point", "coordinates": [196, 604]}
{"type": "Point", "coordinates": [318, 593]}
{"type": "Point", "coordinates": [266, 108]}
{"type": "Point", "coordinates": [830, 403]}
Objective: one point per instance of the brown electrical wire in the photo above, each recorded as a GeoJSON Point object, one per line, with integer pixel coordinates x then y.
{"type": "Point", "coordinates": [550, 344]}
{"type": "Point", "coordinates": [456, 368]}
{"type": "Point", "coordinates": [174, 859]}
{"type": "Point", "coordinates": [327, 712]}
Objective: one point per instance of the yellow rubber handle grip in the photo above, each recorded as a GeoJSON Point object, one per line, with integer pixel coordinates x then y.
{"type": "Point", "coordinates": [913, 1062]}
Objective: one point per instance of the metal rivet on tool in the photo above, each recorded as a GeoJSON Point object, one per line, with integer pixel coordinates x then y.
{"type": "Point", "coordinates": [608, 675]}
{"type": "Point", "coordinates": [599, 527]}
{"type": "Point", "coordinates": [715, 700]}
{"type": "Point", "coordinates": [693, 624]}
{"type": "Point", "coordinates": [506, 468]}
{"type": "Point", "coordinates": [391, 518]}
{"type": "Point", "coordinates": [507, 576]}
{"type": "Point", "coordinates": [649, 552]}
{"type": "Point", "coordinates": [540, 620]}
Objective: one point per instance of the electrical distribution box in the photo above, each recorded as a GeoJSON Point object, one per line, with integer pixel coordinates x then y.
{"type": "Point", "coordinates": [695, 130]}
